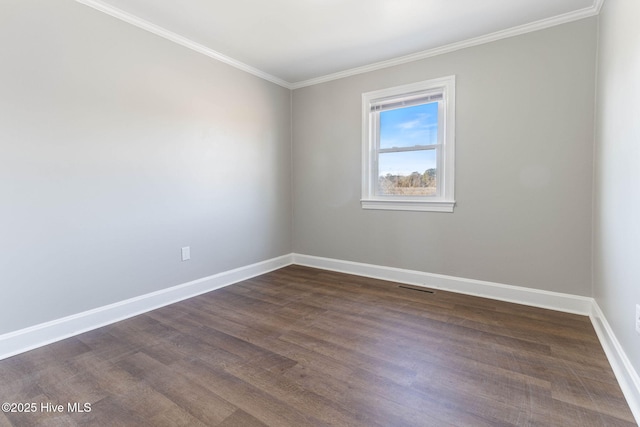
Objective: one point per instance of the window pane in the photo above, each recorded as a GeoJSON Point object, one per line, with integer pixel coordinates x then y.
{"type": "Point", "coordinates": [407, 173]}
{"type": "Point", "coordinates": [409, 126]}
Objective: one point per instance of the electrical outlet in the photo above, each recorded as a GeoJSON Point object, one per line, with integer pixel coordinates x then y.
{"type": "Point", "coordinates": [186, 253]}
{"type": "Point", "coordinates": [638, 318]}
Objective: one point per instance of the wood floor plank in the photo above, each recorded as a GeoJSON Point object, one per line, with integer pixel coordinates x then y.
{"type": "Point", "coordinates": [288, 390]}
{"type": "Point", "coordinates": [196, 399]}
{"type": "Point", "coordinates": [246, 396]}
{"type": "Point", "coordinates": [307, 347]}
{"type": "Point", "coordinates": [241, 418]}
{"type": "Point", "coordinates": [376, 400]}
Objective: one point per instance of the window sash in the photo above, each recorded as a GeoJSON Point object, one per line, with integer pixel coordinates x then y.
{"type": "Point", "coordinates": [392, 103]}
{"type": "Point", "coordinates": [413, 148]}
{"type": "Point", "coordinates": [404, 96]}
{"type": "Point", "coordinates": [377, 106]}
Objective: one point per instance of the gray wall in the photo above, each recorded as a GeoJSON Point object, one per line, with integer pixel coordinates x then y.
{"type": "Point", "coordinates": [118, 147]}
{"type": "Point", "coordinates": [524, 158]}
{"type": "Point", "coordinates": [617, 173]}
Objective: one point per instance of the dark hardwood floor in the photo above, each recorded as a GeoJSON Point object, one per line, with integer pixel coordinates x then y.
{"type": "Point", "coordinates": [300, 347]}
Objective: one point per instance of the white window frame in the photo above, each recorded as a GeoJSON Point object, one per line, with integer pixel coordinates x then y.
{"type": "Point", "coordinates": [443, 200]}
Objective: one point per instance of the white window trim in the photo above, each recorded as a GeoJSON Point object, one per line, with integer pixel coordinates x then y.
{"type": "Point", "coordinates": [445, 200]}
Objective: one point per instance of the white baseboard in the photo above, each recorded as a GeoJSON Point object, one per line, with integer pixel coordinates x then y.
{"type": "Point", "coordinates": [625, 373]}
{"type": "Point", "coordinates": [32, 337]}
{"type": "Point", "coordinates": [39, 335]}
{"type": "Point", "coordinates": [520, 295]}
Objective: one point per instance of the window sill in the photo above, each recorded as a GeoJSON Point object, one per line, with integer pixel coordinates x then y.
{"type": "Point", "coordinates": [409, 205]}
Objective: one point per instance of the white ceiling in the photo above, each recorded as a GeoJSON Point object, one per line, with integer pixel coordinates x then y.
{"type": "Point", "coordinates": [299, 42]}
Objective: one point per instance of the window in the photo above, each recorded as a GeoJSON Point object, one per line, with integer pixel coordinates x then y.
{"type": "Point", "coordinates": [408, 147]}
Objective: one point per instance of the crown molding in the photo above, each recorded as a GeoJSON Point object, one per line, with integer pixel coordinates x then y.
{"type": "Point", "coordinates": [181, 40]}
{"type": "Point", "coordinates": [190, 44]}
{"type": "Point", "coordinates": [498, 35]}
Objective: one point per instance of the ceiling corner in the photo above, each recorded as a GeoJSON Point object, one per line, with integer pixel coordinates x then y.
{"type": "Point", "coordinates": [129, 18]}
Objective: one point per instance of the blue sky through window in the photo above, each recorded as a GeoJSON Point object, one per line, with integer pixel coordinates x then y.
{"type": "Point", "coordinates": [408, 127]}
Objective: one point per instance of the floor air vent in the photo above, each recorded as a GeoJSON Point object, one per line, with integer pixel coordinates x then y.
{"type": "Point", "coordinates": [417, 289]}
